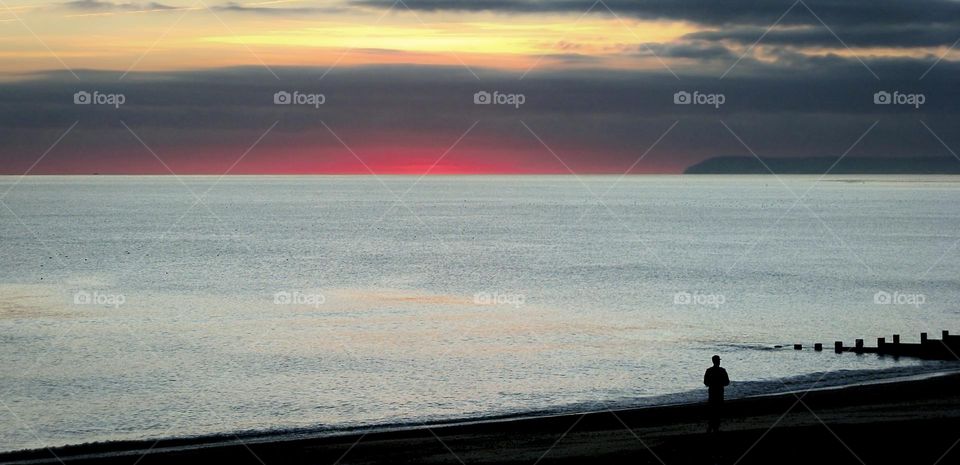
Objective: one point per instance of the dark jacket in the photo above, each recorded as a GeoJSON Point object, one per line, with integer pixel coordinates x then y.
{"type": "Point", "coordinates": [716, 378]}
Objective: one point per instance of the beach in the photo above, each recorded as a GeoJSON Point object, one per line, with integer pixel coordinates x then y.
{"type": "Point", "coordinates": [296, 312]}
{"type": "Point", "coordinates": [276, 232]}
{"type": "Point", "coordinates": [194, 335]}
{"type": "Point", "coordinates": [905, 421]}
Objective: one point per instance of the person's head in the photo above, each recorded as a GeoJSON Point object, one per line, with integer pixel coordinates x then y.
{"type": "Point", "coordinates": [716, 360]}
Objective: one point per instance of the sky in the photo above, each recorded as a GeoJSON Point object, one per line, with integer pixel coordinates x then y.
{"type": "Point", "coordinates": [469, 86]}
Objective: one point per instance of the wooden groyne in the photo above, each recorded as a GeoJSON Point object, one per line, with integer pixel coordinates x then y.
{"type": "Point", "coordinates": [945, 348]}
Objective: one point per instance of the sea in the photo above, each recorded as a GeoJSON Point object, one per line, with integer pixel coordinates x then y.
{"type": "Point", "coordinates": [142, 307]}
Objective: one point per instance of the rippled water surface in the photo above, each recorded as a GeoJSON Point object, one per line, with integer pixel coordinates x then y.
{"type": "Point", "coordinates": [137, 307]}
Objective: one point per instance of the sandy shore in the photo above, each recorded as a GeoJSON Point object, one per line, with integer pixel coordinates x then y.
{"type": "Point", "coordinates": [916, 422]}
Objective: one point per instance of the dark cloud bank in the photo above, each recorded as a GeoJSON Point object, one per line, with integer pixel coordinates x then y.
{"type": "Point", "coordinates": [817, 109]}
{"type": "Point", "coordinates": [793, 104]}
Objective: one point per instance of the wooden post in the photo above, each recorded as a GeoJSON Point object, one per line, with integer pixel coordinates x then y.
{"type": "Point", "coordinates": [838, 346]}
{"type": "Point", "coordinates": [818, 347]}
{"type": "Point", "coordinates": [859, 346]}
{"type": "Point", "coordinates": [946, 334]}
{"type": "Point", "coordinates": [896, 338]}
{"type": "Point", "coordinates": [923, 338]}
{"type": "Point", "coordinates": [798, 347]}
{"type": "Point", "coordinates": [881, 344]}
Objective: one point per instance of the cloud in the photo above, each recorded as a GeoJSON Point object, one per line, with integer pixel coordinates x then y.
{"type": "Point", "coordinates": [106, 6]}
{"type": "Point", "coordinates": [712, 12]}
{"type": "Point", "coordinates": [258, 8]}
{"type": "Point", "coordinates": [594, 120]}
{"type": "Point", "coordinates": [262, 8]}
{"type": "Point", "coordinates": [689, 49]}
{"type": "Point", "coordinates": [822, 24]}
{"type": "Point", "coordinates": [891, 36]}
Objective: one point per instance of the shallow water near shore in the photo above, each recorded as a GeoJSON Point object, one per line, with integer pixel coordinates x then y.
{"type": "Point", "coordinates": [130, 310]}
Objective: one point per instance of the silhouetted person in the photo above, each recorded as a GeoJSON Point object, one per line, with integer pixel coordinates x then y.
{"type": "Point", "coordinates": [715, 379]}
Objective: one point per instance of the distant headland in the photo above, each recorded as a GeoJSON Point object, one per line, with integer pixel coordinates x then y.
{"type": "Point", "coordinates": [820, 165]}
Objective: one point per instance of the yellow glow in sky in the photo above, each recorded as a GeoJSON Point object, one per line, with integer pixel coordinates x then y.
{"type": "Point", "coordinates": [189, 37]}
{"type": "Point", "coordinates": [586, 37]}
{"type": "Point", "coordinates": [141, 37]}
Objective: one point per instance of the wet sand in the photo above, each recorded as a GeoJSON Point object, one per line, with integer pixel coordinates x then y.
{"type": "Point", "coordinates": [915, 421]}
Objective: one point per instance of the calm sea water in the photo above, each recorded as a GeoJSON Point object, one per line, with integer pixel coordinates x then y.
{"type": "Point", "coordinates": [129, 309]}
